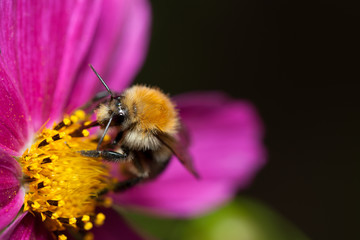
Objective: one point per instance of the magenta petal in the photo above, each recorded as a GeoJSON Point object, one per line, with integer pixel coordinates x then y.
{"type": "Point", "coordinates": [14, 129]}
{"type": "Point", "coordinates": [46, 47]}
{"type": "Point", "coordinates": [26, 227]}
{"type": "Point", "coordinates": [42, 43]}
{"type": "Point", "coordinates": [118, 49]}
{"type": "Point", "coordinates": [11, 195]}
{"type": "Point", "coordinates": [11, 200]}
{"type": "Point", "coordinates": [114, 228]}
{"type": "Point", "coordinates": [131, 50]}
{"type": "Point", "coordinates": [227, 149]}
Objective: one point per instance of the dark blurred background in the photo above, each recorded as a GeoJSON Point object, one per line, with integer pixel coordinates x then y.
{"type": "Point", "coordinates": [298, 63]}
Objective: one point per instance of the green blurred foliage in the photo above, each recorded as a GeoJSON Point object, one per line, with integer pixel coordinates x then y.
{"type": "Point", "coordinates": [242, 219]}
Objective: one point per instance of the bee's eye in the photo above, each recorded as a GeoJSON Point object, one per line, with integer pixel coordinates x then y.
{"type": "Point", "coordinates": [118, 119]}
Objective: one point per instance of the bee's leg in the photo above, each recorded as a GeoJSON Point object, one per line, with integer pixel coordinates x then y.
{"type": "Point", "coordinates": [107, 155]}
{"type": "Point", "coordinates": [105, 131]}
{"type": "Point", "coordinates": [118, 138]}
{"type": "Point", "coordinates": [98, 97]}
{"type": "Point", "coordinates": [128, 183]}
{"type": "Point", "coordinates": [121, 186]}
{"type": "Point", "coordinates": [124, 185]}
{"type": "Point", "coordinates": [140, 174]}
{"type": "Point", "coordinates": [140, 170]}
{"type": "Point", "coordinates": [103, 192]}
{"type": "Point", "coordinates": [79, 131]}
{"type": "Point", "coordinates": [158, 167]}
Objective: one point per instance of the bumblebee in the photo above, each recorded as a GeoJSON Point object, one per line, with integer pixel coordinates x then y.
{"type": "Point", "coordinates": [147, 132]}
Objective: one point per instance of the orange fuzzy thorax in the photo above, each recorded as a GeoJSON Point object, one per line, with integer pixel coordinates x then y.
{"type": "Point", "coordinates": [152, 109]}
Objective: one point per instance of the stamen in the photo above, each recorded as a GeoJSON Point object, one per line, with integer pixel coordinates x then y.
{"type": "Point", "coordinates": [53, 202]}
{"type": "Point", "coordinates": [85, 218]}
{"type": "Point", "coordinates": [89, 236]}
{"type": "Point", "coordinates": [88, 226]}
{"type": "Point", "coordinates": [62, 237]}
{"type": "Point", "coordinates": [64, 185]}
{"type": "Point", "coordinates": [99, 220]}
{"type": "Point", "coordinates": [46, 160]}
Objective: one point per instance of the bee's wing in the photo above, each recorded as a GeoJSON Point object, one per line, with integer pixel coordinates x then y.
{"type": "Point", "coordinates": [183, 136]}
{"type": "Point", "coordinates": [179, 149]}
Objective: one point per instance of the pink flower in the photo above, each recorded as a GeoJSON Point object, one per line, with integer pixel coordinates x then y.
{"type": "Point", "coordinates": [45, 50]}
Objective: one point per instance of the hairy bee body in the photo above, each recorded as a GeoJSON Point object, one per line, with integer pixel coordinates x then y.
{"type": "Point", "coordinates": [147, 124]}
{"type": "Point", "coordinates": [149, 112]}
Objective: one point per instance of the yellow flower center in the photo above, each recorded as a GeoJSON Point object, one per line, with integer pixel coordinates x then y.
{"type": "Point", "coordinates": [63, 186]}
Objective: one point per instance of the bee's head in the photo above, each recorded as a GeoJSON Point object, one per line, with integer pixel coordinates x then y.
{"type": "Point", "coordinates": [117, 110]}
{"type": "Point", "coordinates": [113, 112]}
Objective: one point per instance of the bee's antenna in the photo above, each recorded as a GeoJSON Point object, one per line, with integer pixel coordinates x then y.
{"type": "Point", "coordinates": [102, 81]}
